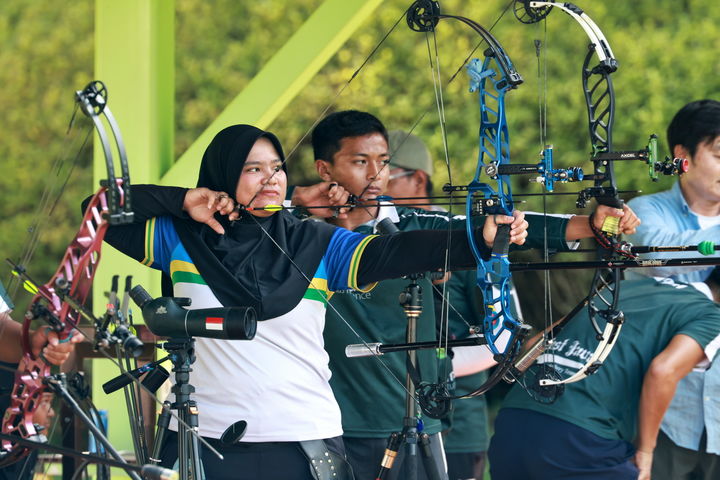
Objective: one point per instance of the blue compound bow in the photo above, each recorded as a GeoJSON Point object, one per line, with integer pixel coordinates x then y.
{"type": "Point", "coordinates": [491, 79]}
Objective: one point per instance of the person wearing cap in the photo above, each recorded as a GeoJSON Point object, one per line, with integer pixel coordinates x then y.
{"type": "Point", "coordinates": [688, 446]}
{"type": "Point", "coordinates": [352, 152]}
{"type": "Point", "coordinates": [411, 170]}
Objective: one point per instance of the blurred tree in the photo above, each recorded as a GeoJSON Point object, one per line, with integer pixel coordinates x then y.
{"type": "Point", "coordinates": [47, 54]}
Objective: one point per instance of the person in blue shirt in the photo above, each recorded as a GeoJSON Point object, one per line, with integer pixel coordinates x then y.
{"type": "Point", "coordinates": [688, 446]}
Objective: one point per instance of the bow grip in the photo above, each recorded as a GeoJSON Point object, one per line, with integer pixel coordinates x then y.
{"type": "Point", "coordinates": [501, 244]}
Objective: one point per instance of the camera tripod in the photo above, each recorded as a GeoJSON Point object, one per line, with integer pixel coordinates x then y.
{"type": "Point", "coordinates": [409, 438]}
{"type": "Point", "coordinates": [182, 354]}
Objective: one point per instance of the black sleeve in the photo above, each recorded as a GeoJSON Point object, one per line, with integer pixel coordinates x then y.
{"type": "Point", "coordinates": [148, 201]}
{"type": "Point", "coordinates": [392, 256]}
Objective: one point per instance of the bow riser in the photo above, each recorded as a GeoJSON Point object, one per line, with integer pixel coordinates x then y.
{"type": "Point", "coordinates": [18, 417]}
{"type": "Point", "coordinates": [493, 275]}
{"type": "Point", "coordinates": [494, 136]}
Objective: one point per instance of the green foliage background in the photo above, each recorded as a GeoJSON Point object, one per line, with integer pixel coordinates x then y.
{"type": "Point", "coordinates": [667, 50]}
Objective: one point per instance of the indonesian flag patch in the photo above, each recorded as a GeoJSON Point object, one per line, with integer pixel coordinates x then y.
{"type": "Point", "coordinates": [213, 323]}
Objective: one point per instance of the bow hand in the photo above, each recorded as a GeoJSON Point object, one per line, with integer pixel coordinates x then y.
{"type": "Point", "coordinates": [516, 230]}
{"type": "Point", "coordinates": [46, 344]}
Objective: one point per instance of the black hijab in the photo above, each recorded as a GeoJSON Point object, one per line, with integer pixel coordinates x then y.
{"type": "Point", "coordinates": [245, 267]}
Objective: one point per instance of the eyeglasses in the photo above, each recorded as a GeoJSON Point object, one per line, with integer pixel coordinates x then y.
{"type": "Point", "coordinates": [404, 173]}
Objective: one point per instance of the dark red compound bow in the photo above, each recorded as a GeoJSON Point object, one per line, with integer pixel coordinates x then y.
{"type": "Point", "coordinates": [59, 302]}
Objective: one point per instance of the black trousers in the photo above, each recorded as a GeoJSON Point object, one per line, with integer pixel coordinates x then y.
{"type": "Point", "coordinates": [466, 465]}
{"type": "Point", "coordinates": [251, 461]}
{"type": "Point", "coordinates": [365, 455]}
{"type": "Point", "coordinates": [671, 462]}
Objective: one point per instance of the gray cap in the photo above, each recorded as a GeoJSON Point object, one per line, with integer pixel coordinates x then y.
{"type": "Point", "coordinates": [409, 152]}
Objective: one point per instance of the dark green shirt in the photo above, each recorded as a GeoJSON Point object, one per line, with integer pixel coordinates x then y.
{"type": "Point", "coordinates": [371, 394]}
{"type": "Point", "coordinates": [606, 403]}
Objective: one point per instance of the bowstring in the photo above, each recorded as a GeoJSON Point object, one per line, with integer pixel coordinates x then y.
{"type": "Point", "coordinates": [329, 304]}
{"type": "Point", "coordinates": [55, 183]}
{"type": "Point", "coordinates": [444, 328]}
{"type": "Point", "coordinates": [333, 101]}
{"type": "Point", "coordinates": [433, 52]}
{"type": "Point", "coordinates": [541, 54]}
{"type": "Point", "coordinates": [60, 173]}
{"type": "Point", "coordinates": [542, 73]}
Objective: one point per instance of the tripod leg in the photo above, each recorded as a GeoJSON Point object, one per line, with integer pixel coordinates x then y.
{"type": "Point", "coordinates": [391, 452]}
{"type": "Point", "coordinates": [410, 461]}
{"type": "Point", "coordinates": [428, 459]}
{"type": "Point", "coordinates": [57, 384]}
{"type": "Point", "coordinates": [191, 443]}
{"type": "Point", "coordinates": [162, 427]}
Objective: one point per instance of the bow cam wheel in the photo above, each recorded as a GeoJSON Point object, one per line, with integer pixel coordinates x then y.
{"type": "Point", "coordinates": [527, 14]}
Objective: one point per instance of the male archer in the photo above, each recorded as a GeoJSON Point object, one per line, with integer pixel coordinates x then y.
{"type": "Point", "coordinates": [352, 153]}
{"type": "Point", "coordinates": [689, 213]}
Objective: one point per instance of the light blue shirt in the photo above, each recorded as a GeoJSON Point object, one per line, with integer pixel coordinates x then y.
{"type": "Point", "coordinates": [5, 304]}
{"type": "Point", "coordinates": [668, 220]}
